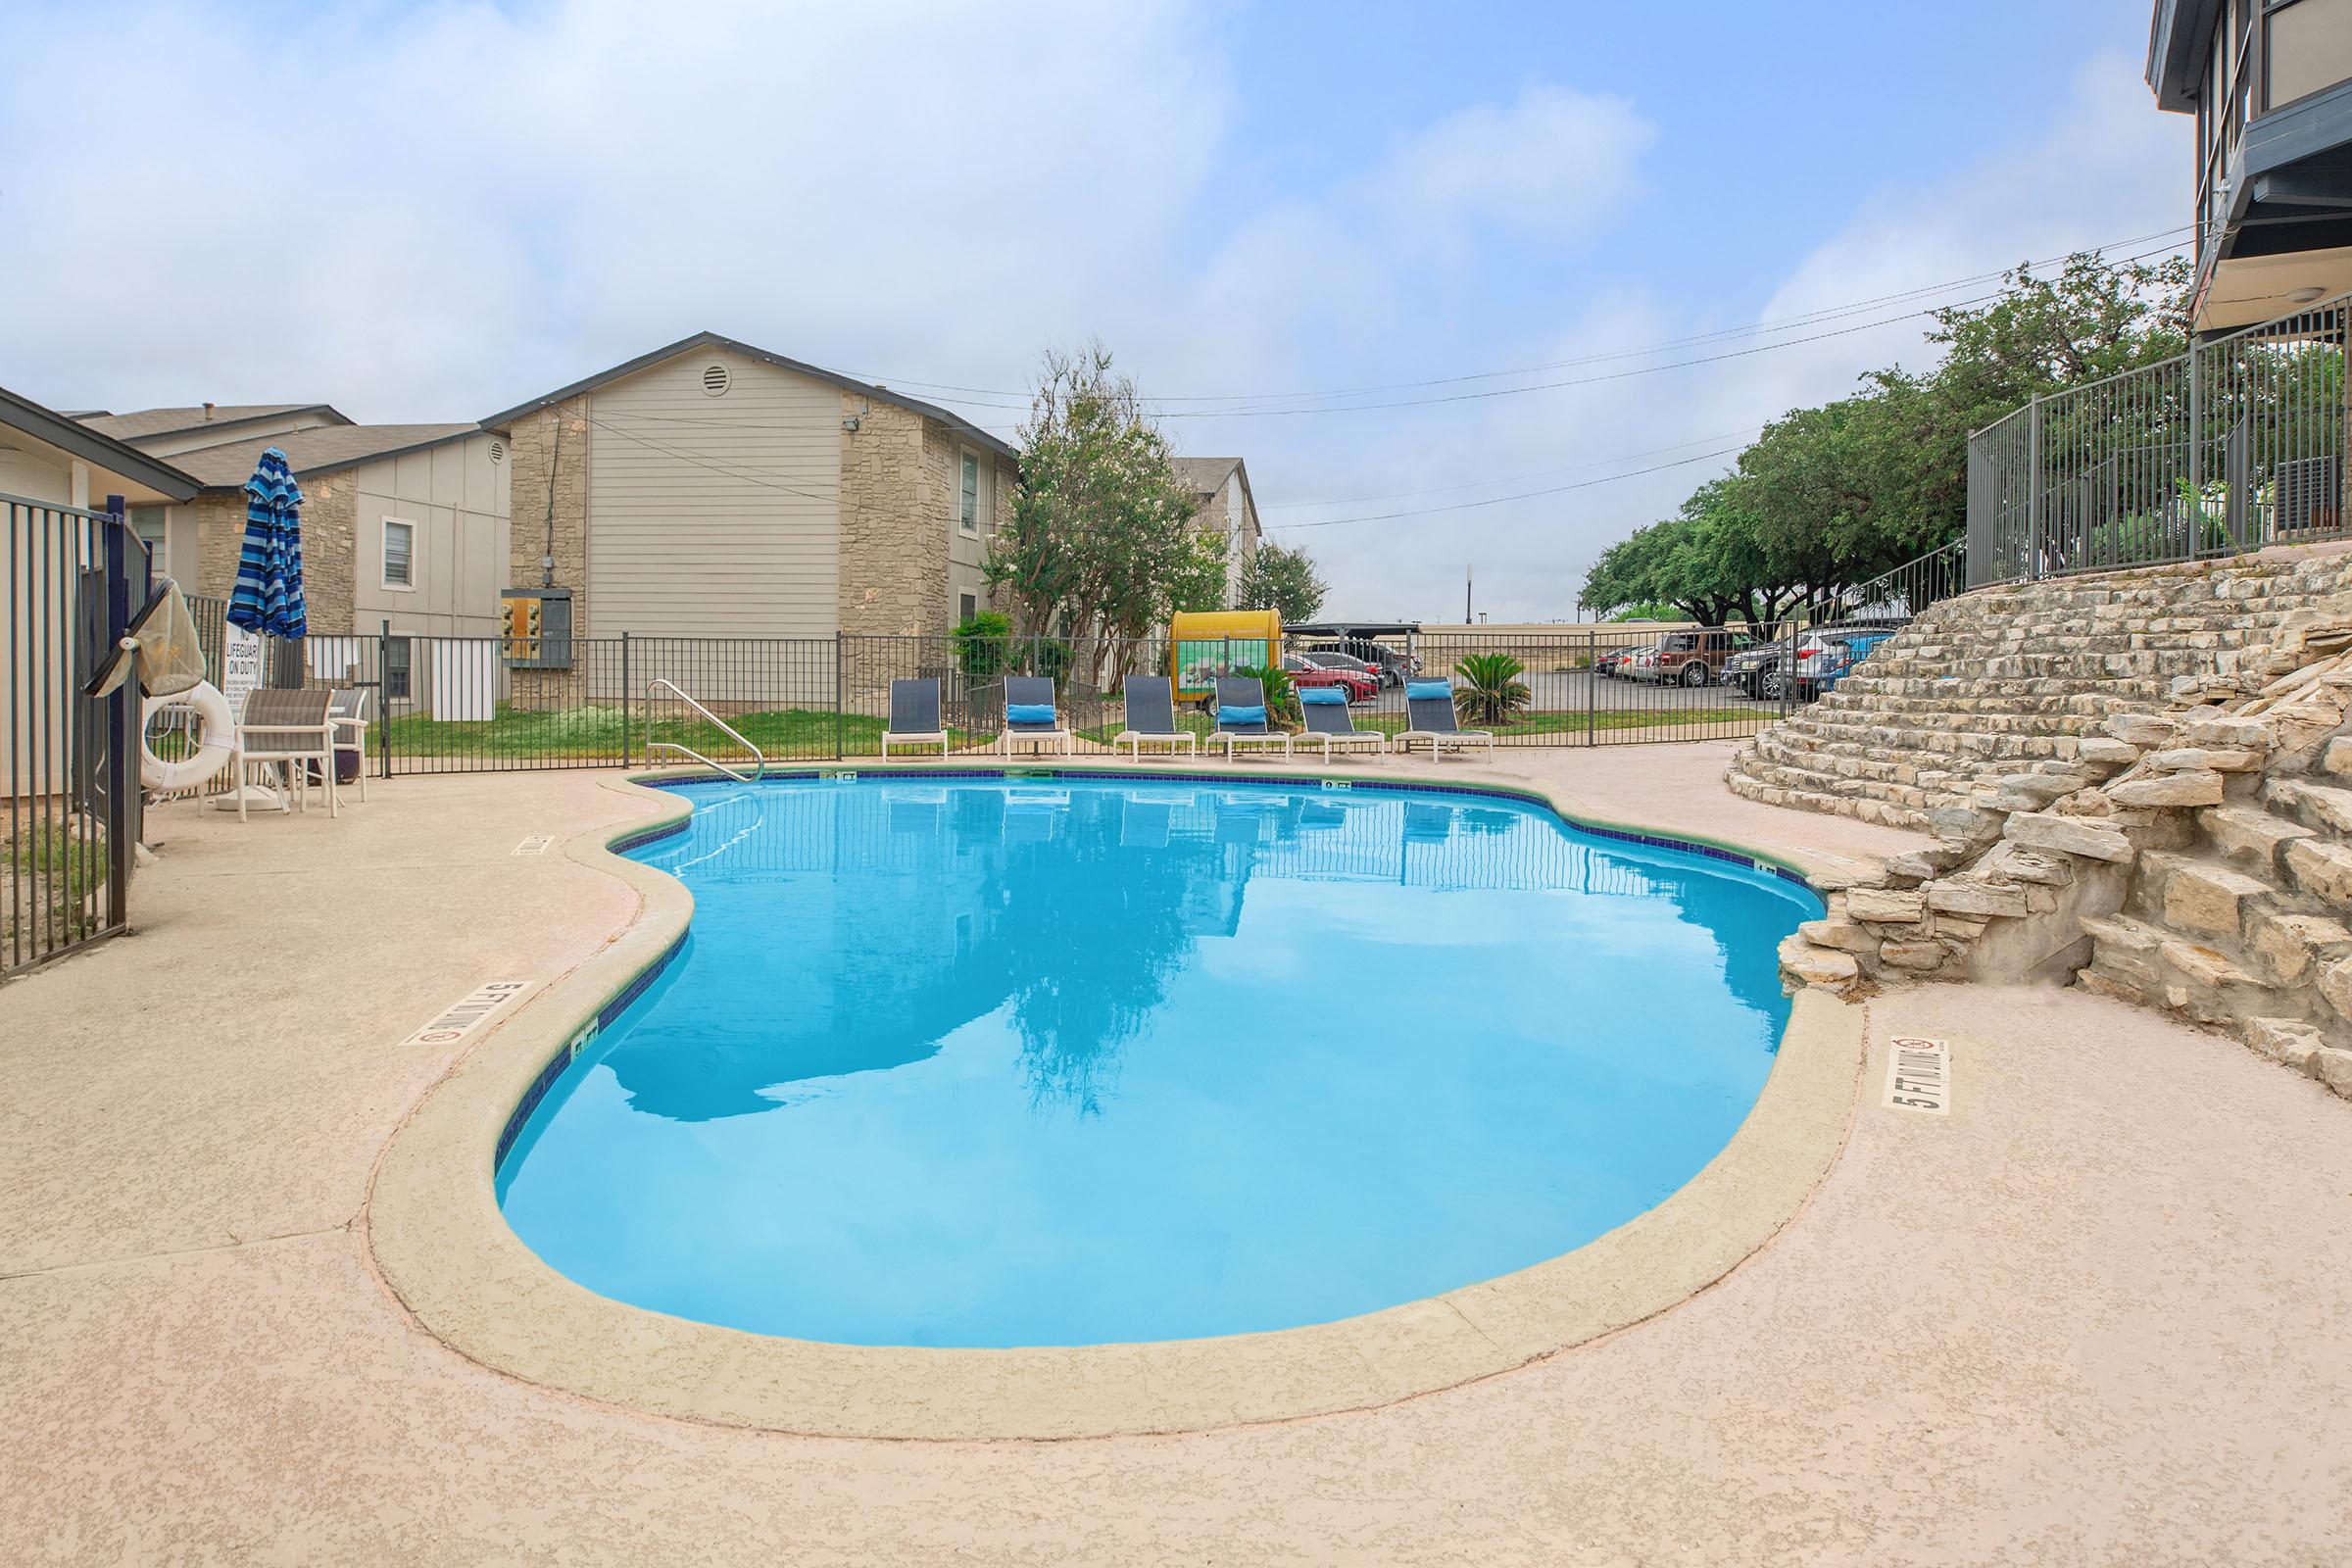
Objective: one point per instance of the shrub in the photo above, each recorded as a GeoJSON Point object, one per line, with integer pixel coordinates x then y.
{"type": "Point", "coordinates": [981, 644]}
{"type": "Point", "coordinates": [1488, 689]}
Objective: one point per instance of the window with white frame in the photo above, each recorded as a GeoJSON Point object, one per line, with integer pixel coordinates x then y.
{"type": "Point", "coordinates": [968, 505]}
{"type": "Point", "coordinates": [400, 554]}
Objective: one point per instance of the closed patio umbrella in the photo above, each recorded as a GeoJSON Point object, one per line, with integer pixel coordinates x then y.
{"type": "Point", "coordinates": [267, 597]}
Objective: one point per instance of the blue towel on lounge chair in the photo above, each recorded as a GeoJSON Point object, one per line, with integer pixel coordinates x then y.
{"type": "Point", "coordinates": [1240, 718]}
{"type": "Point", "coordinates": [1029, 713]}
{"type": "Point", "coordinates": [1323, 696]}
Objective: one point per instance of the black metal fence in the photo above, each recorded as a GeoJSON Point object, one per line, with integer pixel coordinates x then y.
{"type": "Point", "coordinates": [2233, 445]}
{"type": "Point", "coordinates": [71, 581]}
{"type": "Point", "coordinates": [451, 705]}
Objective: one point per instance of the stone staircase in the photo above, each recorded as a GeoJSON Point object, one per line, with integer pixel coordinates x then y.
{"type": "Point", "coordinates": [2245, 925]}
{"type": "Point", "coordinates": [2005, 683]}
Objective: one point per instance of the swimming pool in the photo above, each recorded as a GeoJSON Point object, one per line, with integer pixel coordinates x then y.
{"type": "Point", "coordinates": [1003, 1062]}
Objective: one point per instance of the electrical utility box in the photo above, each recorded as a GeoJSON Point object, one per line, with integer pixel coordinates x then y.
{"type": "Point", "coordinates": [535, 625]}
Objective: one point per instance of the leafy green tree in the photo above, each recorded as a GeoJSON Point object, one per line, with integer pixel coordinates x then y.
{"type": "Point", "coordinates": [1827, 497]}
{"type": "Point", "coordinates": [1100, 538]}
{"type": "Point", "coordinates": [1282, 579]}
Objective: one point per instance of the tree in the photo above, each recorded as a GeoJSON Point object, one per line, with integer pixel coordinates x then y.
{"type": "Point", "coordinates": [1285, 581]}
{"type": "Point", "coordinates": [1101, 538]}
{"type": "Point", "coordinates": [1830, 497]}
{"type": "Point", "coordinates": [1199, 582]}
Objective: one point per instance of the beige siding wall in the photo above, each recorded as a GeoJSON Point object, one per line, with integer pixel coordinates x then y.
{"type": "Point", "coordinates": [456, 497]}
{"type": "Point", "coordinates": [716, 515]}
{"type": "Point", "coordinates": [37, 599]}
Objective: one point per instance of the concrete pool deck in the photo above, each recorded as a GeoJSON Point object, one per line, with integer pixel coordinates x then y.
{"type": "Point", "coordinates": [2099, 1313]}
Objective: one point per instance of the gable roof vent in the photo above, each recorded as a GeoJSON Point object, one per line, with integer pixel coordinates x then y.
{"type": "Point", "coordinates": [497, 452]}
{"type": "Point", "coordinates": [715, 378]}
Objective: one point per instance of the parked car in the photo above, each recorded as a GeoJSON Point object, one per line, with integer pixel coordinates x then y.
{"type": "Point", "coordinates": [1360, 687]}
{"type": "Point", "coordinates": [1757, 670]}
{"type": "Point", "coordinates": [1395, 666]}
{"type": "Point", "coordinates": [1612, 663]}
{"type": "Point", "coordinates": [1329, 659]}
{"type": "Point", "coordinates": [1827, 657]}
{"type": "Point", "coordinates": [1689, 657]}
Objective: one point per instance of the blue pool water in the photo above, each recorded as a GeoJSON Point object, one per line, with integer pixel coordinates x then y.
{"type": "Point", "coordinates": [1055, 1061]}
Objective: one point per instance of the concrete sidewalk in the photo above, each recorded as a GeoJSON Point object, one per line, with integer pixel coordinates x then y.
{"type": "Point", "coordinates": [2098, 1314]}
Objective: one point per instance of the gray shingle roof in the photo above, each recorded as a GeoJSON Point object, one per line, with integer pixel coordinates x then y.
{"type": "Point", "coordinates": [318, 451]}
{"type": "Point", "coordinates": [170, 422]}
{"type": "Point", "coordinates": [712, 340]}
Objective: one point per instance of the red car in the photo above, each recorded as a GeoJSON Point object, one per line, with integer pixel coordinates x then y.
{"type": "Point", "coordinates": [1360, 687]}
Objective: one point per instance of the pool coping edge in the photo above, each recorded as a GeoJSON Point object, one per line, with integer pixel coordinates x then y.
{"type": "Point", "coordinates": [445, 1251]}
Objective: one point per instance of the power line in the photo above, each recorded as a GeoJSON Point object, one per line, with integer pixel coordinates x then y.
{"type": "Point", "coordinates": [1527, 495]}
{"type": "Point", "coordinates": [1804, 319]}
{"type": "Point", "coordinates": [1516, 478]}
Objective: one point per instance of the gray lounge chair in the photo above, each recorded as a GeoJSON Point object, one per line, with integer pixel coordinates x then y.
{"type": "Point", "coordinates": [1151, 717]}
{"type": "Point", "coordinates": [1429, 707]}
{"type": "Point", "coordinates": [915, 716]}
{"type": "Point", "coordinates": [1244, 692]}
{"type": "Point", "coordinates": [1330, 722]}
{"type": "Point", "coordinates": [1034, 692]}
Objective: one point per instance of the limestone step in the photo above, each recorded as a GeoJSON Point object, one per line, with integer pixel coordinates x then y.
{"type": "Point", "coordinates": [2249, 837]}
{"type": "Point", "coordinates": [2324, 807]}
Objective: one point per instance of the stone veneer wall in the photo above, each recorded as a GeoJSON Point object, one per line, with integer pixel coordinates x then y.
{"type": "Point", "coordinates": [536, 460]}
{"type": "Point", "coordinates": [330, 547]}
{"type": "Point", "coordinates": [895, 514]}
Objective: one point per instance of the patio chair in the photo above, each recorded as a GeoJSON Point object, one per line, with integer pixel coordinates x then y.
{"type": "Point", "coordinates": [915, 716]}
{"type": "Point", "coordinates": [291, 728]}
{"type": "Point", "coordinates": [347, 714]}
{"type": "Point", "coordinates": [1242, 716]}
{"type": "Point", "coordinates": [1330, 722]}
{"type": "Point", "coordinates": [1030, 715]}
{"type": "Point", "coordinates": [1151, 717]}
{"type": "Point", "coordinates": [1429, 707]}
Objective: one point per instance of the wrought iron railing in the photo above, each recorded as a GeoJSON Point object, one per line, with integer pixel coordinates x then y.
{"type": "Point", "coordinates": [2236, 445]}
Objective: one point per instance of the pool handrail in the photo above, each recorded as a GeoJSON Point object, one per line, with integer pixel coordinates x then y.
{"type": "Point", "coordinates": [760, 765]}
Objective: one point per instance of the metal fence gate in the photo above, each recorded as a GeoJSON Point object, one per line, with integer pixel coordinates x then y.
{"type": "Point", "coordinates": [72, 807]}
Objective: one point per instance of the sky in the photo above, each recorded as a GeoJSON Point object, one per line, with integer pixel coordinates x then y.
{"type": "Point", "coordinates": [433, 212]}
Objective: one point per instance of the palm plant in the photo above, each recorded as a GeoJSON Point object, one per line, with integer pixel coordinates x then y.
{"type": "Point", "coordinates": [1487, 690]}
{"type": "Point", "coordinates": [1282, 693]}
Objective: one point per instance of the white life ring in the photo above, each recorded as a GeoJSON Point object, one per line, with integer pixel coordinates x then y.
{"type": "Point", "coordinates": [213, 742]}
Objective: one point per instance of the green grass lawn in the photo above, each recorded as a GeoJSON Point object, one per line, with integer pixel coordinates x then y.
{"type": "Point", "coordinates": [593, 734]}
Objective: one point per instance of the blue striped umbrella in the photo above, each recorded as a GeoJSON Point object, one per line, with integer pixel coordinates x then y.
{"type": "Point", "coordinates": [267, 595]}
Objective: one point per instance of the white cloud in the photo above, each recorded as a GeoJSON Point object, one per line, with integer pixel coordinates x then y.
{"type": "Point", "coordinates": [2107, 167]}
{"type": "Point", "coordinates": [1550, 161]}
{"type": "Point", "coordinates": [432, 212]}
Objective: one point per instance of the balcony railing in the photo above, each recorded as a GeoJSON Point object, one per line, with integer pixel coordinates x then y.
{"type": "Point", "coordinates": [2236, 445]}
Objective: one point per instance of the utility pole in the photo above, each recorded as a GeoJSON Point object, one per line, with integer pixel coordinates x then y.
{"type": "Point", "coordinates": [1467, 616]}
